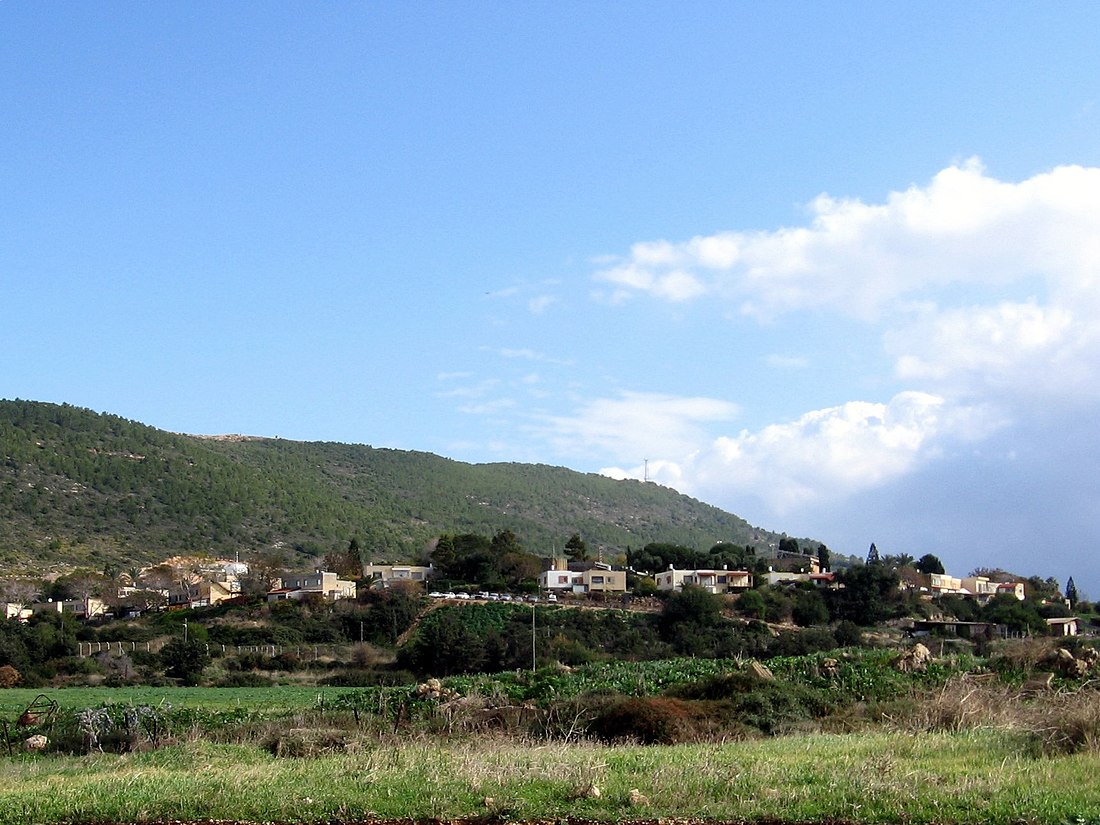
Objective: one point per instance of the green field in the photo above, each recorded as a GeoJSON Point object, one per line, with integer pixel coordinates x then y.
{"type": "Point", "coordinates": [969, 778]}
{"type": "Point", "coordinates": [283, 698]}
{"type": "Point", "coordinates": [861, 743]}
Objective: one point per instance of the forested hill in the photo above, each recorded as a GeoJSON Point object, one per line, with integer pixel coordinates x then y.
{"type": "Point", "coordinates": [78, 487]}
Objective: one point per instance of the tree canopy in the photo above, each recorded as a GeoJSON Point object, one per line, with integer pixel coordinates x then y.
{"type": "Point", "coordinates": [928, 563]}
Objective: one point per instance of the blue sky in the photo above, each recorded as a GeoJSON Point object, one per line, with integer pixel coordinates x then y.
{"type": "Point", "coordinates": [832, 267]}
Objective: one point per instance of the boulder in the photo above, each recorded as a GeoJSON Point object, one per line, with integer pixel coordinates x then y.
{"type": "Point", "coordinates": [1064, 662]}
{"type": "Point", "coordinates": [913, 660]}
{"type": "Point", "coordinates": [761, 672]}
{"type": "Point", "coordinates": [38, 742]}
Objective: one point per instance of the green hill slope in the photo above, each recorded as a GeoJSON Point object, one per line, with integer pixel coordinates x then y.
{"type": "Point", "coordinates": [78, 487]}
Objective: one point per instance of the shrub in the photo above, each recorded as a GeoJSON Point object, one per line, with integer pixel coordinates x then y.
{"type": "Point", "coordinates": [184, 660]}
{"type": "Point", "coordinates": [769, 706]}
{"type": "Point", "coordinates": [656, 720]}
{"type": "Point", "coordinates": [9, 676]}
{"type": "Point", "coordinates": [369, 677]}
{"type": "Point", "coordinates": [244, 679]}
{"type": "Point", "coordinates": [848, 634]}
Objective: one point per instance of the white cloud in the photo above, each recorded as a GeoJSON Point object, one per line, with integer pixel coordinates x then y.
{"type": "Point", "coordinates": [861, 259]}
{"type": "Point", "coordinates": [527, 354]}
{"type": "Point", "coordinates": [636, 425]}
{"type": "Point", "coordinates": [824, 455]}
{"type": "Point", "coordinates": [674, 285]}
{"type": "Point", "coordinates": [477, 390]}
{"type": "Point", "coordinates": [1011, 349]}
{"type": "Point", "coordinates": [832, 453]}
{"type": "Point", "coordinates": [940, 268]}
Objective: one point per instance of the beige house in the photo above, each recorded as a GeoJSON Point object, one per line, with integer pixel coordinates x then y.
{"type": "Point", "coordinates": [595, 577]}
{"type": "Point", "coordinates": [713, 581]}
{"type": "Point", "coordinates": [89, 608]}
{"type": "Point", "coordinates": [202, 593]}
{"type": "Point", "coordinates": [322, 583]}
{"type": "Point", "coordinates": [983, 589]}
{"type": "Point", "coordinates": [941, 584]}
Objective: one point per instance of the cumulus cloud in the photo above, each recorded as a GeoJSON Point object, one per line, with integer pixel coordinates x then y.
{"type": "Point", "coordinates": [824, 455]}
{"type": "Point", "coordinates": [1011, 352]}
{"type": "Point", "coordinates": [835, 452]}
{"type": "Point", "coordinates": [861, 259]}
{"type": "Point", "coordinates": [982, 289]}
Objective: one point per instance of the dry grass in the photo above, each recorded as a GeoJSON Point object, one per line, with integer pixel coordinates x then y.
{"type": "Point", "coordinates": [1056, 722]}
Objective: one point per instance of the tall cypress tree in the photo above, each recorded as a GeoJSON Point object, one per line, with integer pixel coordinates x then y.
{"type": "Point", "coordinates": [1071, 592]}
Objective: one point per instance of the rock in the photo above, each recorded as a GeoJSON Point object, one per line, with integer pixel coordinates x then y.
{"type": "Point", "coordinates": [1064, 662]}
{"type": "Point", "coordinates": [760, 672]}
{"type": "Point", "coordinates": [488, 802]}
{"type": "Point", "coordinates": [38, 742]}
{"type": "Point", "coordinates": [636, 798]}
{"type": "Point", "coordinates": [433, 689]}
{"type": "Point", "coordinates": [829, 668]}
{"type": "Point", "coordinates": [913, 660]}
{"type": "Point", "coordinates": [591, 792]}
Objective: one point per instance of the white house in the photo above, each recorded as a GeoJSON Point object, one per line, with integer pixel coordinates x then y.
{"type": "Point", "coordinates": [713, 581]}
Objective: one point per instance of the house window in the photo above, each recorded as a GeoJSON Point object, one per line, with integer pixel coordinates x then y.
{"type": "Point", "coordinates": [597, 580]}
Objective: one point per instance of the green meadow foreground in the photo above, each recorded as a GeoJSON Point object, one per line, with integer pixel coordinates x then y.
{"type": "Point", "coordinates": [823, 738]}
{"type": "Point", "coordinates": [978, 776]}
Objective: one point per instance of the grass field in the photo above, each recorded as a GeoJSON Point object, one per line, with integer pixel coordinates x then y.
{"type": "Point", "coordinates": [283, 698]}
{"type": "Point", "coordinates": [982, 776]}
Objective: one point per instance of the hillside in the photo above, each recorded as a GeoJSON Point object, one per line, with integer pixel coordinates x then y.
{"type": "Point", "coordinates": [79, 487]}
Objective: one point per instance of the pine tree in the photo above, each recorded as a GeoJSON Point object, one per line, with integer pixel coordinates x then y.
{"type": "Point", "coordinates": [1071, 592]}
